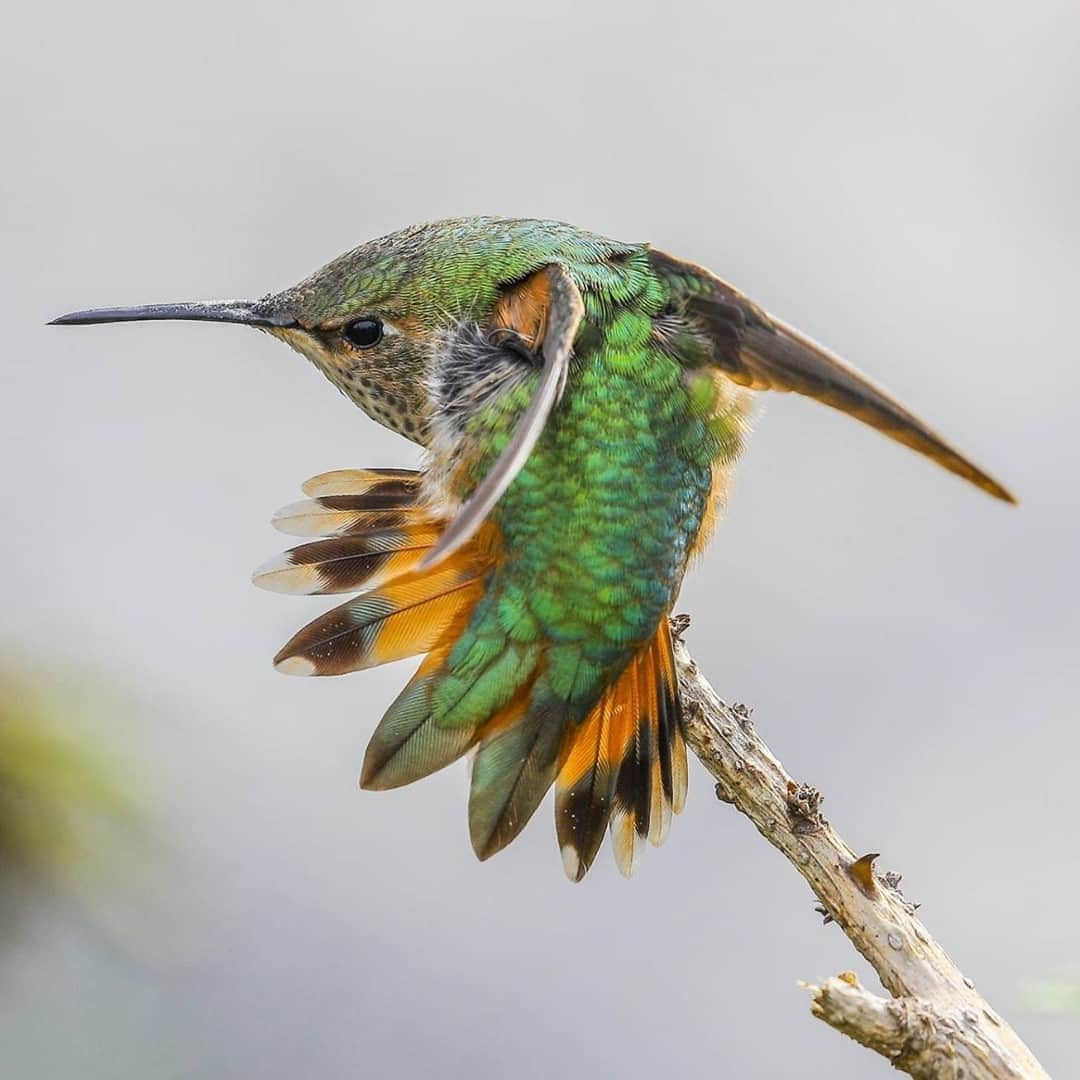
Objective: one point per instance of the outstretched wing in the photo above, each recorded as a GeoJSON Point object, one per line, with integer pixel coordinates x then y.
{"type": "Point", "coordinates": [762, 352]}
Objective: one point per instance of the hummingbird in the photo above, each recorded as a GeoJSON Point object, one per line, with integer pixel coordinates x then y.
{"type": "Point", "coordinates": [582, 403]}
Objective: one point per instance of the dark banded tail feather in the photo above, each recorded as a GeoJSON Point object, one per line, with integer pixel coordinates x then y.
{"type": "Point", "coordinates": [624, 767]}
{"type": "Point", "coordinates": [347, 515]}
{"type": "Point", "coordinates": [402, 618]}
{"type": "Point", "coordinates": [584, 790]}
{"type": "Point", "coordinates": [351, 502]}
{"type": "Point", "coordinates": [363, 482]}
{"type": "Point", "coordinates": [347, 563]}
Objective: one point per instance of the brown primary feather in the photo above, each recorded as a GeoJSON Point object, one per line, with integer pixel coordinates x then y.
{"type": "Point", "coordinates": [761, 352]}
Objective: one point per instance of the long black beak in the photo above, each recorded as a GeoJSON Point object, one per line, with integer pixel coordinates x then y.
{"type": "Point", "coordinates": [245, 312]}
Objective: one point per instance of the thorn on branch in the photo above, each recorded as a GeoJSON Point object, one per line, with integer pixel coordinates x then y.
{"type": "Point", "coordinates": [679, 625]}
{"type": "Point", "coordinates": [861, 871]}
{"type": "Point", "coordinates": [804, 806]}
{"type": "Point", "coordinates": [826, 918]}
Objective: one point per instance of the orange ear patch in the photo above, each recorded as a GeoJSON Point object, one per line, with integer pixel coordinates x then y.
{"type": "Point", "coordinates": [523, 308]}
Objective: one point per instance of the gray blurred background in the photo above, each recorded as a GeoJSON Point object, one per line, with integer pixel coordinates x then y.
{"type": "Point", "coordinates": [900, 181]}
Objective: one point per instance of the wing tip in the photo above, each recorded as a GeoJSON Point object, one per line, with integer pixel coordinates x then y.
{"type": "Point", "coordinates": [998, 491]}
{"type": "Point", "coordinates": [960, 466]}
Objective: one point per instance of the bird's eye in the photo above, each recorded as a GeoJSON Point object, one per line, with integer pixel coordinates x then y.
{"type": "Point", "coordinates": [363, 333]}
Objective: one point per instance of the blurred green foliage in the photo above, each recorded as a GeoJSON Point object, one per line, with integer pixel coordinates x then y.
{"type": "Point", "coordinates": [61, 799]}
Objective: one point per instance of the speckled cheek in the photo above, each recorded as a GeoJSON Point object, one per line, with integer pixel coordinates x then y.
{"type": "Point", "coordinates": [383, 405]}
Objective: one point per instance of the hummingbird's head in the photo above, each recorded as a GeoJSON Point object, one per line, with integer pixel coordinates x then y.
{"type": "Point", "coordinates": [372, 319]}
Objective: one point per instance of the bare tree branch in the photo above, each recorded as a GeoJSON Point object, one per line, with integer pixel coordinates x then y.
{"type": "Point", "coordinates": [936, 1025]}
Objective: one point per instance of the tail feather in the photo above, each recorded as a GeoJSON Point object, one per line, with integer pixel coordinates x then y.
{"type": "Point", "coordinates": [679, 770]}
{"type": "Point", "coordinates": [347, 563]}
{"type": "Point", "coordinates": [514, 767]}
{"type": "Point", "coordinates": [672, 730]}
{"type": "Point", "coordinates": [620, 767]}
{"type": "Point", "coordinates": [363, 482]}
{"type": "Point", "coordinates": [344, 515]}
{"type": "Point", "coordinates": [403, 618]}
{"type": "Point", "coordinates": [659, 756]}
{"type": "Point", "coordinates": [629, 824]}
{"type": "Point", "coordinates": [664, 780]}
{"type": "Point", "coordinates": [584, 791]}
{"type": "Point", "coordinates": [624, 767]}
{"type": "Point", "coordinates": [352, 502]}
{"type": "Point", "coordinates": [408, 745]}
{"type": "Point", "coordinates": [439, 715]}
